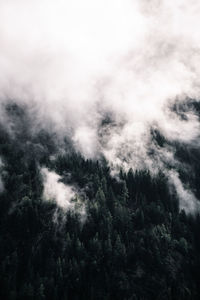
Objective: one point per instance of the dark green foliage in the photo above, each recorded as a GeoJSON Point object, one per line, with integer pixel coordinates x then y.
{"type": "Point", "coordinates": [134, 243]}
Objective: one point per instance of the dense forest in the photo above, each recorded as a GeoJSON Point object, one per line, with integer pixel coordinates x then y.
{"type": "Point", "coordinates": [134, 242]}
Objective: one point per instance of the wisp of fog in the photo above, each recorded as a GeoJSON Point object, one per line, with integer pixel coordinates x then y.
{"type": "Point", "coordinates": [78, 63]}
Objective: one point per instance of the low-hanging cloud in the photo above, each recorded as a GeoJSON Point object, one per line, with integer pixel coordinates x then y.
{"type": "Point", "coordinates": [65, 196]}
{"type": "Point", "coordinates": [76, 62]}
{"type": "Point", "coordinates": [55, 190]}
{"type": "Point", "coordinates": [188, 201]}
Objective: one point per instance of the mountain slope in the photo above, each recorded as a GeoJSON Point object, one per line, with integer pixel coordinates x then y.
{"type": "Point", "coordinates": [123, 237]}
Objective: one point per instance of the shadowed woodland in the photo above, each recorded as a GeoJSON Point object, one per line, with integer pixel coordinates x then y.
{"type": "Point", "coordinates": [134, 243]}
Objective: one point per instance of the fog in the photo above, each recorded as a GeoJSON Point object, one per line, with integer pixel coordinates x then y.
{"type": "Point", "coordinates": [55, 190]}
{"type": "Point", "coordinates": [188, 201]}
{"type": "Point", "coordinates": [76, 62]}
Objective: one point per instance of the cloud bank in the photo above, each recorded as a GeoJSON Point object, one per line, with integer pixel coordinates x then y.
{"type": "Point", "coordinates": [75, 63]}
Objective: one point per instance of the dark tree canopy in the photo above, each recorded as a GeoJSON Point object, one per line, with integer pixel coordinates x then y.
{"type": "Point", "coordinates": [134, 243]}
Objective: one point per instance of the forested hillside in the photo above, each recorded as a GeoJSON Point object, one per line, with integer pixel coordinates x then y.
{"type": "Point", "coordinates": [99, 150]}
{"type": "Point", "coordinates": [133, 242]}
